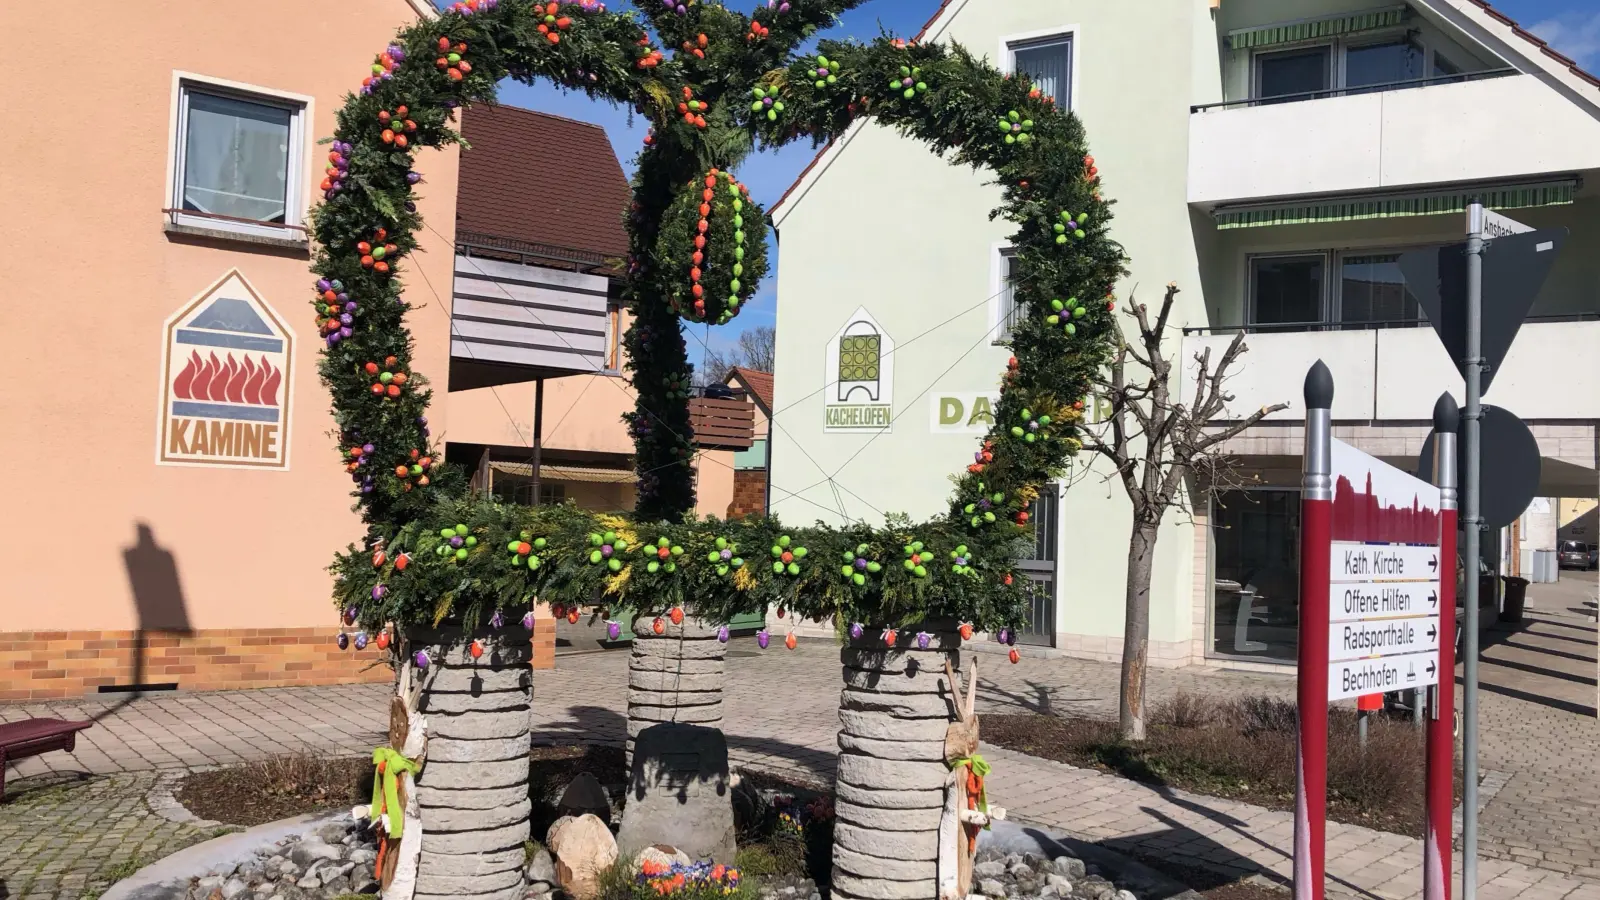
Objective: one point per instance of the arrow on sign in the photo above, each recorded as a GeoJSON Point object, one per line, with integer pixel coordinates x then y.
{"type": "Point", "coordinates": [1432, 632]}
{"type": "Point", "coordinates": [1431, 668]}
{"type": "Point", "coordinates": [1433, 598]}
{"type": "Point", "coordinates": [1433, 563]}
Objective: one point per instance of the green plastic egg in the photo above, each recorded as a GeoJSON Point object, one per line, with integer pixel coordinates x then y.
{"type": "Point", "coordinates": [539, 544]}
{"type": "Point", "coordinates": [1029, 437]}
{"type": "Point", "coordinates": [454, 58]}
{"type": "Point", "coordinates": [733, 285]}
{"type": "Point", "coordinates": [920, 571]}
{"type": "Point", "coordinates": [794, 569]}
{"type": "Point", "coordinates": [777, 568]}
{"type": "Point", "coordinates": [783, 541]}
{"type": "Point", "coordinates": [513, 546]}
{"type": "Point", "coordinates": [833, 79]}
{"type": "Point", "coordinates": [1078, 313]}
{"type": "Point", "coordinates": [1078, 234]}
{"type": "Point", "coordinates": [874, 568]}
{"type": "Point", "coordinates": [1051, 320]}
{"type": "Point", "coordinates": [461, 553]}
{"type": "Point", "coordinates": [472, 541]}
{"type": "Point", "coordinates": [595, 539]}
{"type": "Point", "coordinates": [1061, 239]}
{"type": "Point", "coordinates": [817, 84]}
{"type": "Point", "coordinates": [653, 567]}
{"type": "Point", "coordinates": [462, 530]}
{"type": "Point", "coordinates": [1057, 305]}
{"type": "Point", "coordinates": [1016, 431]}
{"type": "Point", "coordinates": [447, 532]}
{"type": "Point", "coordinates": [738, 268]}
{"type": "Point", "coordinates": [722, 543]}
{"type": "Point", "coordinates": [800, 553]}
{"type": "Point", "coordinates": [416, 470]}
{"type": "Point", "coordinates": [722, 570]}
{"type": "Point", "coordinates": [1044, 420]}
{"type": "Point", "coordinates": [610, 537]}
{"type": "Point", "coordinates": [756, 106]}
{"type": "Point", "coordinates": [738, 222]}
{"type": "Point", "coordinates": [614, 565]}
{"type": "Point", "coordinates": [858, 578]}
{"type": "Point", "coordinates": [738, 253]}
{"type": "Point", "coordinates": [772, 115]}
{"type": "Point", "coordinates": [738, 205]}
{"type": "Point", "coordinates": [1060, 228]}
{"type": "Point", "coordinates": [988, 517]}
{"type": "Point", "coordinates": [379, 252]}
{"type": "Point", "coordinates": [738, 562]}
{"type": "Point", "coordinates": [594, 556]}
{"type": "Point", "coordinates": [1071, 328]}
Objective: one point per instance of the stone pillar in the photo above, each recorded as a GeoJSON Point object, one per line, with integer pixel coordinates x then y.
{"type": "Point", "coordinates": [894, 712]}
{"type": "Point", "coordinates": [473, 789]}
{"type": "Point", "coordinates": [675, 676]}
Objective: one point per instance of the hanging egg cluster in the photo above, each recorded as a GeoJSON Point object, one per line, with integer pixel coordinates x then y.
{"type": "Point", "coordinates": [414, 472]}
{"type": "Point", "coordinates": [786, 556]}
{"type": "Point", "coordinates": [335, 311]}
{"type": "Point", "coordinates": [857, 567]}
{"type": "Point", "coordinates": [1070, 226]}
{"type": "Point", "coordinates": [725, 557]}
{"type": "Point", "coordinates": [981, 458]}
{"type": "Point", "coordinates": [981, 511]}
{"type": "Point", "coordinates": [456, 541]}
{"type": "Point", "coordinates": [605, 548]}
{"type": "Point", "coordinates": [337, 170]}
{"type": "Point", "coordinates": [757, 31]}
{"type": "Point", "coordinates": [824, 73]}
{"type": "Point", "coordinates": [724, 265]}
{"type": "Point", "coordinates": [1028, 430]}
{"type": "Point", "coordinates": [468, 7]}
{"type": "Point", "coordinates": [387, 379]}
{"type": "Point", "coordinates": [1063, 312]}
{"type": "Point", "coordinates": [397, 129]}
{"type": "Point", "coordinates": [697, 46]}
{"type": "Point", "coordinates": [375, 254]}
{"type": "Point", "coordinates": [663, 556]}
{"type": "Point", "coordinates": [522, 551]}
{"type": "Point", "coordinates": [961, 564]}
{"type": "Point", "coordinates": [383, 67]}
{"type": "Point", "coordinates": [1016, 128]}
{"type": "Point", "coordinates": [910, 82]}
{"type": "Point", "coordinates": [551, 22]}
{"type": "Point", "coordinates": [678, 385]}
{"type": "Point", "coordinates": [452, 59]}
{"type": "Point", "coordinates": [915, 561]}
{"type": "Point", "coordinates": [646, 56]}
{"type": "Point", "coordinates": [766, 102]}
{"type": "Point", "coordinates": [693, 111]}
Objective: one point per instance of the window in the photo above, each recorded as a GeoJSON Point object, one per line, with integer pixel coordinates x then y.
{"type": "Point", "coordinates": [1287, 290]}
{"type": "Point", "coordinates": [238, 161]}
{"type": "Point", "coordinates": [519, 489]}
{"type": "Point", "coordinates": [1292, 72]}
{"type": "Point", "coordinates": [1372, 291]}
{"type": "Point", "coordinates": [1255, 609]}
{"type": "Point", "coordinates": [1385, 63]}
{"type": "Point", "coordinates": [1048, 63]}
{"type": "Point", "coordinates": [1007, 316]}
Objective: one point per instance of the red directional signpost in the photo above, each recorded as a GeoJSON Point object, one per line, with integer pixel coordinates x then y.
{"type": "Point", "coordinates": [1377, 614]}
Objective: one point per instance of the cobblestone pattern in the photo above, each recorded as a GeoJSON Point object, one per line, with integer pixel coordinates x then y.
{"type": "Point", "coordinates": [62, 838]}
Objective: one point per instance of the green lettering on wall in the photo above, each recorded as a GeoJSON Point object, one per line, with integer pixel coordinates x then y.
{"type": "Point", "coordinates": [949, 410]}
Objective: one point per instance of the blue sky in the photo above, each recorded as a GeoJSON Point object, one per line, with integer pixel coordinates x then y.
{"type": "Point", "coordinates": [1571, 26]}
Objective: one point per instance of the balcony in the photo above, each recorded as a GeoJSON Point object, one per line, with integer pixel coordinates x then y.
{"type": "Point", "coordinates": [1396, 374]}
{"type": "Point", "coordinates": [1484, 127]}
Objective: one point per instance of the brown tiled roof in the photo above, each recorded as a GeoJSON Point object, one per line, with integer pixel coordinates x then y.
{"type": "Point", "coordinates": [540, 179]}
{"type": "Point", "coordinates": [758, 383]}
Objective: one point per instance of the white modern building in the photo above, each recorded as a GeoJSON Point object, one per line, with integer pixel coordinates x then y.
{"type": "Point", "coordinates": [1274, 158]}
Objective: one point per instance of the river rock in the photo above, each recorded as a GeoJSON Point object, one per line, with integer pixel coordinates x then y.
{"type": "Point", "coordinates": [584, 848]}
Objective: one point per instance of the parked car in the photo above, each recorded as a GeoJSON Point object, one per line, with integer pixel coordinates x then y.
{"type": "Point", "coordinates": [1576, 555]}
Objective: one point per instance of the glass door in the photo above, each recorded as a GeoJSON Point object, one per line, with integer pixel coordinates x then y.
{"type": "Point", "coordinates": [1039, 568]}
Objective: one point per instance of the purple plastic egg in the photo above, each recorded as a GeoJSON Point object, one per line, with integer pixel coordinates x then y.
{"type": "Point", "coordinates": [763, 639]}
{"type": "Point", "coordinates": [497, 620]}
{"type": "Point", "coordinates": [422, 420]}
{"type": "Point", "coordinates": [922, 640]}
{"type": "Point", "coordinates": [456, 541]}
{"type": "Point", "coordinates": [324, 284]}
{"type": "Point", "coordinates": [410, 207]}
{"type": "Point", "coordinates": [366, 489]}
{"type": "Point", "coordinates": [343, 641]}
{"type": "Point", "coordinates": [350, 615]}
{"type": "Point", "coordinates": [346, 319]}
{"type": "Point", "coordinates": [421, 659]}
{"type": "Point", "coordinates": [361, 640]}
{"type": "Point", "coordinates": [345, 332]}
{"type": "Point", "coordinates": [378, 591]}
{"type": "Point", "coordinates": [605, 550]}
{"type": "Point", "coordinates": [413, 177]}
{"type": "Point", "coordinates": [861, 564]}
{"type": "Point", "coordinates": [613, 630]}
{"type": "Point", "coordinates": [722, 634]}
{"type": "Point", "coordinates": [857, 630]}
{"type": "Point", "coordinates": [726, 554]}
{"type": "Point", "coordinates": [1002, 634]}
{"type": "Point", "coordinates": [350, 306]}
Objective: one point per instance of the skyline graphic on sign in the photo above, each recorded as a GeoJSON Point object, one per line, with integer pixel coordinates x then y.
{"type": "Point", "coordinates": [1390, 506]}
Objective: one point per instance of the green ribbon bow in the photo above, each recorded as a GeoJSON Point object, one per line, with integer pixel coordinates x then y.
{"type": "Point", "coordinates": [981, 768]}
{"type": "Point", "coordinates": [389, 763]}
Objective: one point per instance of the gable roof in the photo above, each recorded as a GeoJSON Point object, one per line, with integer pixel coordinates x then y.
{"type": "Point", "coordinates": [756, 382]}
{"type": "Point", "coordinates": [533, 178]}
{"type": "Point", "coordinates": [1580, 84]}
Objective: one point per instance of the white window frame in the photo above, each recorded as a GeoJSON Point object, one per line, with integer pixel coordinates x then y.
{"type": "Point", "coordinates": [999, 252]}
{"type": "Point", "coordinates": [1324, 304]}
{"type": "Point", "coordinates": [297, 187]}
{"type": "Point", "coordinates": [1072, 35]}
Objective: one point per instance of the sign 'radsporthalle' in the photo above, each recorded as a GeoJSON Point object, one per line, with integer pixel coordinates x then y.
{"type": "Point", "coordinates": [226, 379]}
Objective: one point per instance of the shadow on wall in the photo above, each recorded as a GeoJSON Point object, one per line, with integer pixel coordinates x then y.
{"type": "Point", "coordinates": [158, 603]}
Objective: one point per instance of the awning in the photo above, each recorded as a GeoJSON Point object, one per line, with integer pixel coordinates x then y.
{"type": "Point", "coordinates": [1313, 29]}
{"type": "Point", "coordinates": [587, 474]}
{"type": "Point", "coordinates": [1436, 203]}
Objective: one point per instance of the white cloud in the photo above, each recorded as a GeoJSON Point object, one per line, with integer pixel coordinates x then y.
{"type": "Point", "coordinates": [1575, 34]}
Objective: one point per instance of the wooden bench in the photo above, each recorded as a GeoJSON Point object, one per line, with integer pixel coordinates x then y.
{"type": "Point", "coordinates": [31, 737]}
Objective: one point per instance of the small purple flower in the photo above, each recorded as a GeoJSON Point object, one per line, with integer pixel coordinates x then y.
{"type": "Point", "coordinates": [857, 629]}
{"type": "Point", "coordinates": [421, 659]}
{"type": "Point", "coordinates": [497, 620]}
{"type": "Point", "coordinates": [361, 640]}
{"type": "Point", "coordinates": [922, 640]}
{"type": "Point", "coordinates": [613, 630]}
{"type": "Point", "coordinates": [527, 620]}
{"type": "Point", "coordinates": [763, 639]}
{"type": "Point", "coordinates": [722, 634]}
{"type": "Point", "coordinates": [343, 641]}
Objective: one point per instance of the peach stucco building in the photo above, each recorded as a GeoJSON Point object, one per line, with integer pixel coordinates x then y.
{"type": "Point", "coordinates": [182, 496]}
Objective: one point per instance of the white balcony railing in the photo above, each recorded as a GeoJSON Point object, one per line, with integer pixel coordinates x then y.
{"type": "Point", "coordinates": [1487, 129]}
{"type": "Point", "coordinates": [1396, 374]}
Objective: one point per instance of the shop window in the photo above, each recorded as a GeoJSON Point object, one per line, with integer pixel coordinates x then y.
{"type": "Point", "coordinates": [237, 161]}
{"type": "Point", "coordinates": [1255, 610]}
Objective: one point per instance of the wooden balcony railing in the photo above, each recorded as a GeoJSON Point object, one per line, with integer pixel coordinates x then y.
{"type": "Point", "coordinates": [722, 424]}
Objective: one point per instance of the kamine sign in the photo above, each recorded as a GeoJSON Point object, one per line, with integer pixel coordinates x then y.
{"type": "Point", "coordinates": [860, 377]}
{"type": "Point", "coordinates": [226, 367]}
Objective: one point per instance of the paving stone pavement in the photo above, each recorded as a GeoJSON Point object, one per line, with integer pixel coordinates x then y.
{"type": "Point", "coordinates": [64, 837]}
{"type": "Point", "coordinates": [1538, 726]}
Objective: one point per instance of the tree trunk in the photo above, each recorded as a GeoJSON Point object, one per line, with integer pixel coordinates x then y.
{"type": "Point", "coordinates": [894, 712]}
{"type": "Point", "coordinates": [675, 676]}
{"type": "Point", "coordinates": [473, 790]}
{"type": "Point", "coordinates": [1136, 633]}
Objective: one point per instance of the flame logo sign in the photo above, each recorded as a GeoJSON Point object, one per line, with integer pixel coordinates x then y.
{"type": "Point", "coordinates": [211, 380]}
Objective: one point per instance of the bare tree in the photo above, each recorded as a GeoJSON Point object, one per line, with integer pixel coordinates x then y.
{"type": "Point", "coordinates": [1160, 449]}
{"type": "Point", "coordinates": [756, 349]}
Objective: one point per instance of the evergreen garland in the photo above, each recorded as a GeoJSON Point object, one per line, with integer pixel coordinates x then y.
{"type": "Point", "coordinates": [726, 83]}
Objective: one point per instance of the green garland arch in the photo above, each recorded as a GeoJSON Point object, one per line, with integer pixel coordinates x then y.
{"type": "Point", "coordinates": [727, 83]}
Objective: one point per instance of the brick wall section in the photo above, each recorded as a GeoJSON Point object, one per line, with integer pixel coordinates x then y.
{"type": "Point", "coordinates": [48, 665]}
{"type": "Point", "coordinates": [749, 493]}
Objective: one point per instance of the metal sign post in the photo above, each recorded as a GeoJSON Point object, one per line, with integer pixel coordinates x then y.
{"type": "Point", "coordinates": [1472, 520]}
{"type": "Point", "coordinates": [1440, 753]}
{"type": "Point", "coordinates": [1311, 745]}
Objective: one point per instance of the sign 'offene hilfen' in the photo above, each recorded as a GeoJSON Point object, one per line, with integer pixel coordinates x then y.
{"type": "Point", "coordinates": [1355, 600]}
